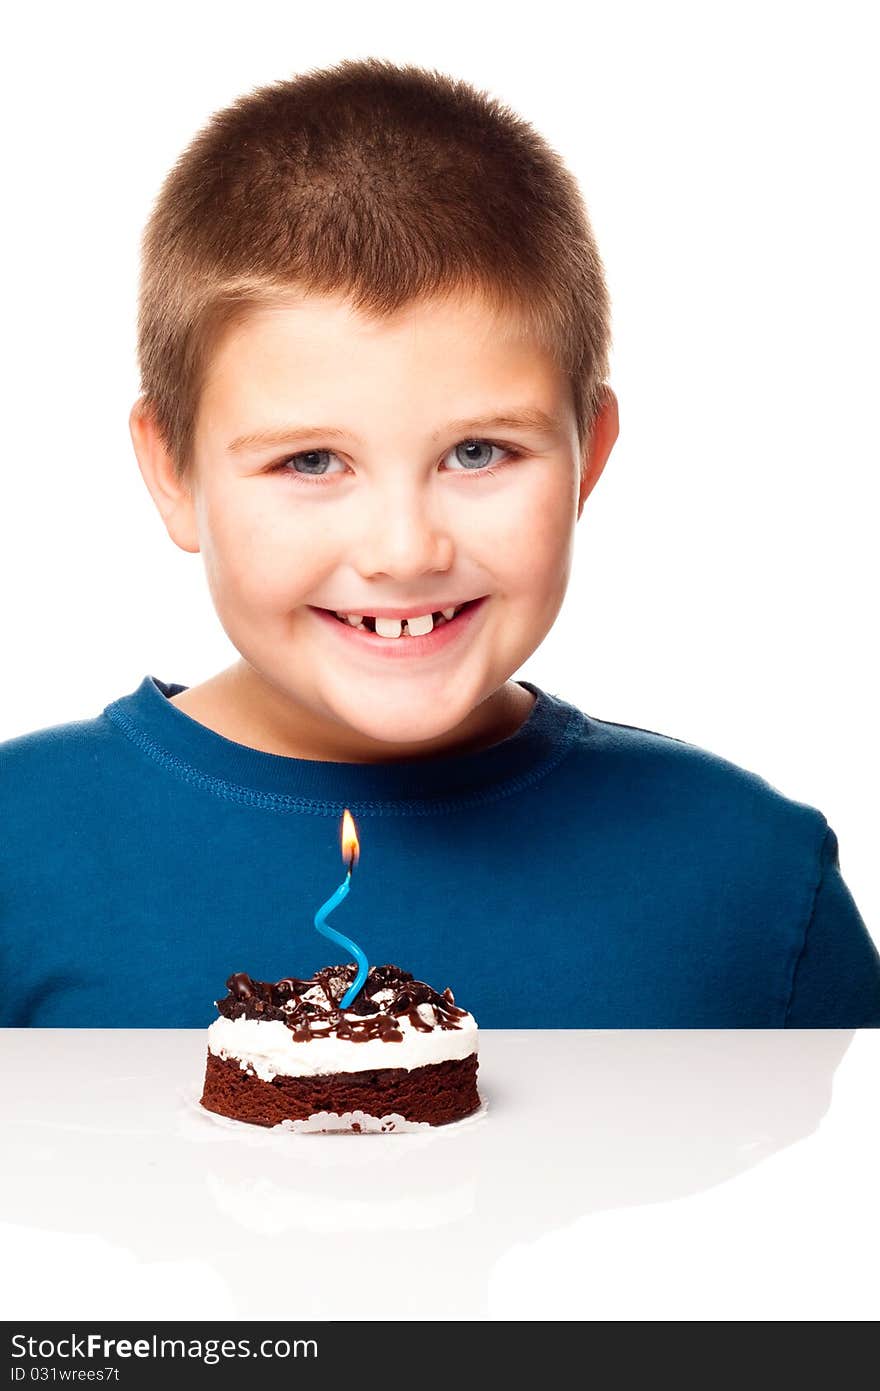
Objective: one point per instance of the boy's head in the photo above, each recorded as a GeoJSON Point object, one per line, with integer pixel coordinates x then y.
{"type": "Point", "coordinates": [393, 266]}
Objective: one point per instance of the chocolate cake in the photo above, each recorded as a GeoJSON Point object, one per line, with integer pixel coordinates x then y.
{"type": "Point", "coordinates": [286, 1052]}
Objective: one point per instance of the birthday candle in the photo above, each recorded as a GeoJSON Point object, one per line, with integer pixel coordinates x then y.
{"type": "Point", "coordinates": [351, 853]}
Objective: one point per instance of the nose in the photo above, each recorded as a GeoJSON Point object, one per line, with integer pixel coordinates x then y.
{"type": "Point", "coordinates": [402, 534]}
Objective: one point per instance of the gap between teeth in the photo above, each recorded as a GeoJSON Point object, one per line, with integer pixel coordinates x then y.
{"type": "Point", "coordinates": [416, 626]}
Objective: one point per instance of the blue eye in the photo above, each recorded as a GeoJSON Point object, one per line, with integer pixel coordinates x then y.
{"type": "Point", "coordinates": [312, 458]}
{"type": "Point", "coordinates": [315, 460]}
{"type": "Point", "coordinates": [473, 444]}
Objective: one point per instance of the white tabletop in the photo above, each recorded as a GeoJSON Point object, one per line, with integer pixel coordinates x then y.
{"type": "Point", "coordinates": [615, 1175]}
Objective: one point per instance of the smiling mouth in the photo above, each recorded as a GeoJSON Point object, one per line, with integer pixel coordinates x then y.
{"type": "Point", "coordinates": [401, 627]}
{"type": "Point", "coordinates": [394, 637]}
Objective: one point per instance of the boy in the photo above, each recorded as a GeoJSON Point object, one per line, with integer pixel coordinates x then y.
{"type": "Point", "coordinates": [373, 340]}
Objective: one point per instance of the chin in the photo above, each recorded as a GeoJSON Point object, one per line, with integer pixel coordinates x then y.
{"type": "Point", "coordinates": [406, 717]}
{"type": "Point", "coordinates": [399, 731]}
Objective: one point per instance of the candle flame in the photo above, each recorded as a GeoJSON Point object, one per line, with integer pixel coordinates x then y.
{"type": "Point", "coordinates": [351, 846]}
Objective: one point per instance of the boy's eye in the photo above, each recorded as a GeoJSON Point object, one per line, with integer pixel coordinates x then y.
{"type": "Point", "coordinates": [312, 459]}
{"type": "Point", "coordinates": [472, 455]}
{"type": "Point", "coordinates": [468, 453]}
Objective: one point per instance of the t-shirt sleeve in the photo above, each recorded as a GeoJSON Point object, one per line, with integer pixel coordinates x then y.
{"type": "Point", "coordinates": [836, 982]}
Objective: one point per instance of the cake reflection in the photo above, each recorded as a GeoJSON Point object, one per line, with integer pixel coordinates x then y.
{"type": "Point", "coordinates": [578, 1122]}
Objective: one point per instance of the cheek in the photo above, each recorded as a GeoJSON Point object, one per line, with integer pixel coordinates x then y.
{"type": "Point", "coordinates": [254, 551]}
{"type": "Point", "coordinates": [526, 536]}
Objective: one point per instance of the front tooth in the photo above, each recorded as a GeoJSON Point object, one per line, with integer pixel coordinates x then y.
{"type": "Point", "coordinates": [420, 625]}
{"type": "Point", "coordinates": [447, 613]}
{"type": "Point", "coordinates": [388, 627]}
{"type": "Point", "coordinates": [354, 618]}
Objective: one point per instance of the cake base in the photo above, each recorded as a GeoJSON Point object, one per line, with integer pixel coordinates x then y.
{"type": "Point", "coordinates": [436, 1093]}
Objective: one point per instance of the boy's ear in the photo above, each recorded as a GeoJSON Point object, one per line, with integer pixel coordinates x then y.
{"type": "Point", "coordinates": [172, 497]}
{"type": "Point", "coordinates": [606, 428]}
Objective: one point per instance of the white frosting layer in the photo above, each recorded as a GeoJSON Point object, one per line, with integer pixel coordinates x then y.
{"type": "Point", "coordinates": [268, 1046]}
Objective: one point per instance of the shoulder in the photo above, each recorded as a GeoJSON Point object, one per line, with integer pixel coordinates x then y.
{"type": "Point", "coordinates": [657, 776]}
{"type": "Point", "coordinates": [51, 741]}
{"type": "Point", "coordinates": [46, 760]}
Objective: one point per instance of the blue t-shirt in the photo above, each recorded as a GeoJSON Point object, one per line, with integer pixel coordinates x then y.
{"type": "Point", "coordinates": [577, 874]}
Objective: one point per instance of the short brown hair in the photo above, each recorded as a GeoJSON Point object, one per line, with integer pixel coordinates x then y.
{"type": "Point", "coordinates": [387, 183]}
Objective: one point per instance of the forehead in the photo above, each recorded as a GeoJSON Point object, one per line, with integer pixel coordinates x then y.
{"type": "Point", "coordinates": [323, 349]}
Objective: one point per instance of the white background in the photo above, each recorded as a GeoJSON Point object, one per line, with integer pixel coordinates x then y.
{"type": "Point", "coordinates": [725, 582]}
{"type": "Point", "coordinates": [691, 1174]}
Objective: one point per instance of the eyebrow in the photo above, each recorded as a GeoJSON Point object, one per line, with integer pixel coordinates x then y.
{"type": "Point", "coordinates": [530, 418]}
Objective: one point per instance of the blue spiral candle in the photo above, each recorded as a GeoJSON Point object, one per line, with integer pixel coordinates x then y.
{"type": "Point", "coordinates": [350, 852]}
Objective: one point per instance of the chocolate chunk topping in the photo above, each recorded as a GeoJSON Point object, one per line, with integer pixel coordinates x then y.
{"type": "Point", "coordinates": [310, 1008]}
